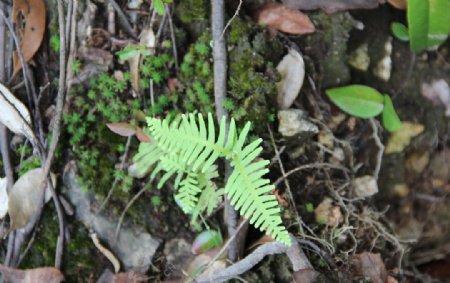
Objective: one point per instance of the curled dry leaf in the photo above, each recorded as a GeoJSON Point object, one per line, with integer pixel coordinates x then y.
{"type": "Point", "coordinates": [122, 129]}
{"type": "Point", "coordinates": [292, 70]}
{"type": "Point", "coordinates": [26, 197]}
{"type": "Point", "coordinates": [332, 6]}
{"type": "Point", "coordinates": [127, 130]}
{"type": "Point", "coordinates": [42, 274]}
{"type": "Point", "coordinates": [29, 16]}
{"type": "Point", "coordinates": [370, 265]}
{"type": "Point", "coordinates": [15, 115]}
{"type": "Point", "coordinates": [107, 253]}
{"type": "Point", "coordinates": [284, 19]}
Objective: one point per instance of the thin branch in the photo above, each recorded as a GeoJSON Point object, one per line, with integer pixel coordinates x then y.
{"type": "Point", "coordinates": [220, 91]}
{"type": "Point", "coordinates": [172, 37]}
{"type": "Point", "coordinates": [294, 252]}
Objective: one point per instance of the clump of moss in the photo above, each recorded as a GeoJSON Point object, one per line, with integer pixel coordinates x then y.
{"type": "Point", "coordinates": [193, 10]}
{"type": "Point", "coordinates": [252, 76]}
{"type": "Point", "coordinates": [77, 258]}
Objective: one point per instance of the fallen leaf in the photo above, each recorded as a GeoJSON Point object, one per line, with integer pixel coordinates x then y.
{"type": "Point", "coordinates": [399, 4]}
{"type": "Point", "coordinates": [332, 6]}
{"type": "Point", "coordinates": [284, 19]}
{"type": "Point", "coordinates": [142, 136]}
{"type": "Point", "coordinates": [292, 71]}
{"type": "Point", "coordinates": [3, 197]}
{"type": "Point", "coordinates": [42, 274]}
{"type": "Point", "coordinates": [15, 114]}
{"type": "Point", "coordinates": [122, 129]}
{"type": "Point", "coordinates": [26, 196]}
{"type": "Point", "coordinates": [29, 16]}
{"type": "Point", "coordinates": [400, 139]}
{"type": "Point", "coordinates": [370, 265]}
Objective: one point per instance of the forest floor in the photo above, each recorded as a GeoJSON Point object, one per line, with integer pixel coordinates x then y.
{"type": "Point", "coordinates": [362, 204]}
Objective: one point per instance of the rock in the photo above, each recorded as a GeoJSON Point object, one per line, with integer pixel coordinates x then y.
{"type": "Point", "coordinates": [417, 162]}
{"type": "Point", "coordinates": [294, 123]}
{"type": "Point", "coordinates": [365, 186]}
{"type": "Point", "coordinates": [178, 254]}
{"type": "Point", "coordinates": [383, 68]}
{"type": "Point", "coordinates": [359, 58]}
{"type": "Point", "coordinates": [134, 247]}
{"type": "Point", "coordinates": [327, 213]}
{"type": "Point", "coordinates": [399, 140]}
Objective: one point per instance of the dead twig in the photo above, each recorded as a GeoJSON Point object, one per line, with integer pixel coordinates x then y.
{"type": "Point", "coordinates": [294, 252]}
{"type": "Point", "coordinates": [220, 90]}
{"type": "Point", "coordinates": [172, 37]}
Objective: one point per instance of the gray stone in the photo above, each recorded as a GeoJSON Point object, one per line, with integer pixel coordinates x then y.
{"type": "Point", "coordinates": [295, 123]}
{"type": "Point", "coordinates": [178, 254]}
{"type": "Point", "coordinates": [134, 247]}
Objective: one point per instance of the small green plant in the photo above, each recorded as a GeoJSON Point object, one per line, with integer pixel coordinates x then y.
{"type": "Point", "coordinates": [159, 6]}
{"type": "Point", "coordinates": [187, 148]}
{"type": "Point", "coordinates": [428, 24]}
{"type": "Point", "coordinates": [365, 102]}
{"type": "Point", "coordinates": [55, 42]}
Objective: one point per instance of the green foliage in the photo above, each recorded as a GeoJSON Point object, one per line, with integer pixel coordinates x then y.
{"type": "Point", "coordinates": [55, 42]}
{"type": "Point", "coordinates": [428, 23]}
{"type": "Point", "coordinates": [187, 149]}
{"type": "Point", "coordinates": [365, 102]}
{"type": "Point", "coordinates": [159, 6]}
{"type": "Point", "coordinates": [29, 161]}
{"type": "Point", "coordinates": [76, 66]}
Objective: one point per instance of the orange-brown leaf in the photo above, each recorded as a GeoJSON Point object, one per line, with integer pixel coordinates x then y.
{"type": "Point", "coordinates": [399, 4]}
{"type": "Point", "coordinates": [29, 17]}
{"type": "Point", "coordinates": [122, 129]}
{"type": "Point", "coordinates": [284, 19]}
{"type": "Point", "coordinates": [370, 265]}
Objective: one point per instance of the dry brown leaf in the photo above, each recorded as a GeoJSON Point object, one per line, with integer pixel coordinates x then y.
{"type": "Point", "coordinates": [399, 4]}
{"type": "Point", "coordinates": [284, 19]}
{"type": "Point", "coordinates": [142, 136]}
{"type": "Point", "coordinates": [371, 266]}
{"type": "Point", "coordinates": [122, 129]}
{"type": "Point", "coordinates": [29, 16]}
{"type": "Point", "coordinates": [332, 6]}
{"type": "Point", "coordinates": [37, 275]}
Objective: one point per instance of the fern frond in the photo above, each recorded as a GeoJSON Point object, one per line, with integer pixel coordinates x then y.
{"type": "Point", "coordinates": [189, 148]}
{"type": "Point", "coordinates": [248, 191]}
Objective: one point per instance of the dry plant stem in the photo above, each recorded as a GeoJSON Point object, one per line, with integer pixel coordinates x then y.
{"type": "Point", "coordinates": [123, 20]}
{"type": "Point", "coordinates": [172, 37]}
{"type": "Point", "coordinates": [220, 91]}
{"type": "Point", "coordinates": [111, 19]}
{"type": "Point", "coordinates": [116, 180]}
{"type": "Point", "coordinates": [286, 182]}
{"type": "Point", "coordinates": [72, 45]}
{"type": "Point", "coordinates": [309, 166]}
{"type": "Point", "coordinates": [236, 13]}
{"type": "Point", "coordinates": [295, 254]}
{"type": "Point", "coordinates": [380, 146]}
{"type": "Point", "coordinates": [122, 216]}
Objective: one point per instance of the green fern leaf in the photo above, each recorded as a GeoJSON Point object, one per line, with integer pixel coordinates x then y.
{"type": "Point", "coordinates": [189, 148]}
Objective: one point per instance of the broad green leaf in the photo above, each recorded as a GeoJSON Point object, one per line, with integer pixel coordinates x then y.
{"type": "Point", "coordinates": [357, 100]}
{"type": "Point", "coordinates": [391, 121]}
{"type": "Point", "coordinates": [400, 31]}
{"type": "Point", "coordinates": [439, 22]}
{"type": "Point", "coordinates": [159, 6]}
{"type": "Point", "coordinates": [418, 24]}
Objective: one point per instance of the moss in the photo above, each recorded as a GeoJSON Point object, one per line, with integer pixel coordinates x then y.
{"type": "Point", "coordinates": [78, 259]}
{"type": "Point", "coordinates": [252, 76]}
